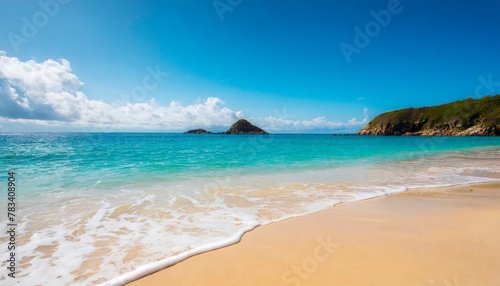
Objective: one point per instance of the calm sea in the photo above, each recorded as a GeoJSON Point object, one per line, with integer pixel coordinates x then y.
{"type": "Point", "coordinates": [108, 207]}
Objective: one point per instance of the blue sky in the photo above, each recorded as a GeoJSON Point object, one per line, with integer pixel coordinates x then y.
{"type": "Point", "coordinates": [278, 63]}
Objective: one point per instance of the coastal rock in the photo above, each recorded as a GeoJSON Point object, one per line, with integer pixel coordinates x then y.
{"type": "Point", "coordinates": [242, 126]}
{"type": "Point", "coordinates": [198, 131]}
{"type": "Point", "coordinates": [469, 117]}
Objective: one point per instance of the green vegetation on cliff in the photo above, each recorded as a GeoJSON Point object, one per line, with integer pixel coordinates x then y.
{"type": "Point", "coordinates": [458, 118]}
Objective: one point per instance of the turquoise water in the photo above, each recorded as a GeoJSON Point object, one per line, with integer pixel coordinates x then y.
{"type": "Point", "coordinates": [100, 197]}
{"type": "Point", "coordinates": [56, 161]}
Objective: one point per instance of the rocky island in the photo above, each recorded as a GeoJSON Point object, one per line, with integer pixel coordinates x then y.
{"type": "Point", "coordinates": [469, 117]}
{"type": "Point", "coordinates": [198, 131]}
{"type": "Point", "coordinates": [241, 126]}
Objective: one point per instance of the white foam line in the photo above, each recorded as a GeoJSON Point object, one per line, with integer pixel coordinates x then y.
{"type": "Point", "coordinates": [474, 180]}
{"type": "Point", "coordinates": [162, 264]}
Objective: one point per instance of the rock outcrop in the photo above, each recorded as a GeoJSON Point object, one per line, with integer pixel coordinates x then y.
{"type": "Point", "coordinates": [242, 126]}
{"type": "Point", "coordinates": [198, 131]}
{"type": "Point", "coordinates": [469, 117]}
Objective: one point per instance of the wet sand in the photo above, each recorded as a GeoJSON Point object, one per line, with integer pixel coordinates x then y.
{"type": "Point", "coordinates": [439, 236]}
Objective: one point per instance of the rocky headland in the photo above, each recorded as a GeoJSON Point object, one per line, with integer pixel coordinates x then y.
{"type": "Point", "coordinates": [469, 117]}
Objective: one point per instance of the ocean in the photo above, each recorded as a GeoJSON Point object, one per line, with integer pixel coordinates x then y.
{"type": "Point", "coordinates": [106, 208]}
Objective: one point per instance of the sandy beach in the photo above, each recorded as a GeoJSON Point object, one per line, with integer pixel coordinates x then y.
{"type": "Point", "coordinates": [440, 236]}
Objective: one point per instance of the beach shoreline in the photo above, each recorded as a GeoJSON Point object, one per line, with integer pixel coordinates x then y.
{"type": "Point", "coordinates": [431, 236]}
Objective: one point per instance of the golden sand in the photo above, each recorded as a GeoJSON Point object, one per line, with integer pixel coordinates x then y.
{"type": "Point", "coordinates": [442, 236]}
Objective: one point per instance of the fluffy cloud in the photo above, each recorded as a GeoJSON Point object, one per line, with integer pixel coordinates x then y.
{"type": "Point", "coordinates": [48, 93]}
{"type": "Point", "coordinates": [38, 91]}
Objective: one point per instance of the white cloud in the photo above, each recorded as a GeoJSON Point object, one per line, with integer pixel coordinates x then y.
{"type": "Point", "coordinates": [48, 94]}
{"type": "Point", "coordinates": [49, 91]}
